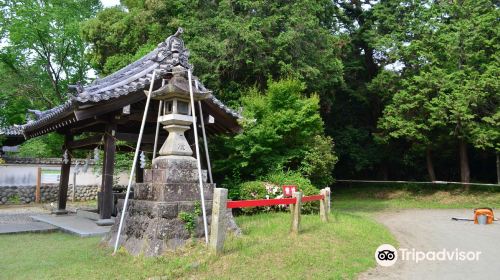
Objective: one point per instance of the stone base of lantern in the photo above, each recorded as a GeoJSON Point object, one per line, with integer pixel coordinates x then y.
{"type": "Point", "coordinates": [152, 224]}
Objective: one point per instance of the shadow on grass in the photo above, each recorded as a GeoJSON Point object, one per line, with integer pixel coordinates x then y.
{"type": "Point", "coordinates": [309, 228]}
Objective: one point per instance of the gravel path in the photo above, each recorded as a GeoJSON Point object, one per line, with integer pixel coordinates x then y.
{"type": "Point", "coordinates": [433, 230]}
{"type": "Point", "coordinates": [17, 220]}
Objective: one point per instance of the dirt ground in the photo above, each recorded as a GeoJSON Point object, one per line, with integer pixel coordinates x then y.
{"type": "Point", "coordinates": [433, 230]}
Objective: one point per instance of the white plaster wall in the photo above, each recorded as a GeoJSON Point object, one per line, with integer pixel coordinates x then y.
{"type": "Point", "coordinates": [25, 175]}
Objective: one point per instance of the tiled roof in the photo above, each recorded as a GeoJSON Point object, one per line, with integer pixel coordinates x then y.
{"type": "Point", "coordinates": [132, 79]}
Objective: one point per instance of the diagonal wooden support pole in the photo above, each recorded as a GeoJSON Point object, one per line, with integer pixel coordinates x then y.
{"type": "Point", "coordinates": [198, 159]}
{"type": "Point", "coordinates": [136, 154]}
{"type": "Point", "coordinates": [209, 166]}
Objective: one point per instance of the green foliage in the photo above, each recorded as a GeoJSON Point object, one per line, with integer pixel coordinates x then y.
{"type": "Point", "coordinates": [319, 161]}
{"type": "Point", "coordinates": [48, 145]}
{"type": "Point", "coordinates": [303, 184]}
{"type": "Point", "coordinates": [281, 130]}
{"type": "Point", "coordinates": [450, 83]}
{"type": "Point", "coordinates": [44, 51]}
{"type": "Point", "coordinates": [253, 190]}
{"type": "Point", "coordinates": [234, 44]}
{"type": "Point", "coordinates": [270, 187]}
{"type": "Point", "coordinates": [14, 199]}
{"type": "Point", "coordinates": [350, 241]}
{"type": "Point", "coordinates": [197, 208]}
{"type": "Point", "coordinates": [281, 178]}
{"type": "Point", "coordinates": [189, 220]}
{"type": "Point", "coordinates": [123, 163]}
{"type": "Point", "coordinates": [117, 35]}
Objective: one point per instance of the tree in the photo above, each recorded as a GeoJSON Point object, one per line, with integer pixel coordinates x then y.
{"type": "Point", "coordinates": [234, 44]}
{"type": "Point", "coordinates": [448, 81]}
{"type": "Point", "coordinates": [42, 52]}
{"type": "Point", "coordinates": [282, 130]}
{"type": "Point", "coordinates": [42, 36]}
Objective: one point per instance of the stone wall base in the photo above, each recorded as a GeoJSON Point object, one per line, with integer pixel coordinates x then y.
{"type": "Point", "coordinates": [152, 228]}
{"type": "Point", "coordinates": [48, 193]}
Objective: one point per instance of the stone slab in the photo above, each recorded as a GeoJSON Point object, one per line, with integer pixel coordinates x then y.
{"type": "Point", "coordinates": [87, 214]}
{"type": "Point", "coordinates": [27, 228]}
{"type": "Point", "coordinates": [165, 210]}
{"type": "Point", "coordinates": [174, 169]}
{"type": "Point", "coordinates": [74, 224]}
{"type": "Point", "coordinates": [172, 192]}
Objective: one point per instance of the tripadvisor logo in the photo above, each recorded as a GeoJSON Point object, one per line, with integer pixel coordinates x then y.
{"type": "Point", "coordinates": [387, 255]}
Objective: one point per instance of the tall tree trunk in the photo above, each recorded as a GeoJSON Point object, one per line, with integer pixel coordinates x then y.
{"type": "Point", "coordinates": [498, 168]}
{"type": "Point", "coordinates": [430, 165]}
{"type": "Point", "coordinates": [464, 163]}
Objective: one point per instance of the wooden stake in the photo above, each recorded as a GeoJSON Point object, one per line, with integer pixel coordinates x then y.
{"type": "Point", "coordinates": [218, 225]}
{"type": "Point", "coordinates": [296, 213]}
{"type": "Point", "coordinates": [323, 206]}
{"type": "Point", "coordinates": [38, 184]}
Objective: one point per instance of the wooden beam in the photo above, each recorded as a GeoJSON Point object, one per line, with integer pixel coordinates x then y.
{"type": "Point", "coordinates": [132, 137]}
{"type": "Point", "coordinates": [138, 117]}
{"type": "Point", "coordinates": [83, 143]}
{"type": "Point", "coordinates": [82, 126]}
{"type": "Point", "coordinates": [111, 105]}
{"type": "Point", "coordinates": [106, 208]}
{"type": "Point", "coordinates": [64, 179]}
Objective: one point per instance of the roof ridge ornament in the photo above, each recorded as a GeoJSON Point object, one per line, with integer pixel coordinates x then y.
{"type": "Point", "coordinates": [173, 52]}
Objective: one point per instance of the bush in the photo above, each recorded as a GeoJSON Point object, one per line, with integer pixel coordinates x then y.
{"type": "Point", "coordinates": [319, 161]}
{"type": "Point", "coordinates": [281, 130]}
{"type": "Point", "coordinates": [260, 190]}
{"type": "Point", "coordinates": [270, 187]}
{"type": "Point", "coordinates": [303, 184]}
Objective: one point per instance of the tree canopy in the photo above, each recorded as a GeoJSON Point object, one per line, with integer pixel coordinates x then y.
{"type": "Point", "coordinates": [403, 88]}
{"type": "Point", "coordinates": [42, 52]}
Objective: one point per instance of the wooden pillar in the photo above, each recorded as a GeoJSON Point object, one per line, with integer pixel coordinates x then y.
{"type": "Point", "coordinates": [64, 179]}
{"type": "Point", "coordinates": [108, 165]}
{"type": "Point", "coordinates": [101, 190]}
{"type": "Point", "coordinates": [38, 184]}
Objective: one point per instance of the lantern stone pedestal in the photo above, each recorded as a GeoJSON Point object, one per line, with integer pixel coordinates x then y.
{"type": "Point", "coordinates": [152, 224]}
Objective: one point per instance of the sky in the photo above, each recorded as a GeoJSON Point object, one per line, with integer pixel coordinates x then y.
{"type": "Point", "coordinates": [110, 3]}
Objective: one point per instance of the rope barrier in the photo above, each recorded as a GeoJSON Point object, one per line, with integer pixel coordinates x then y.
{"type": "Point", "coordinates": [418, 182]}
{"type": "Point", "coordinates": [271, 202]}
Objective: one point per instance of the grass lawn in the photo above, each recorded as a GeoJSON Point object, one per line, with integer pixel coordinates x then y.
{"type": "Point", "coordinates": [377, 197]}
{"type": "Point", "coordinates": [339, 249]}
{"type": "Point", "coordinates": [336, 250]}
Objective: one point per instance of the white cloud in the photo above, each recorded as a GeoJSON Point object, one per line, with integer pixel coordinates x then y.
{"type": "Point", "coordinates": [110, 3]}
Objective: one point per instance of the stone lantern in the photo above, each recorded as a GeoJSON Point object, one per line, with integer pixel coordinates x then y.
{"type": "Point", "coordinates": [175, 116]}
{"type": "Point", "coordinates": [172, 186]}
